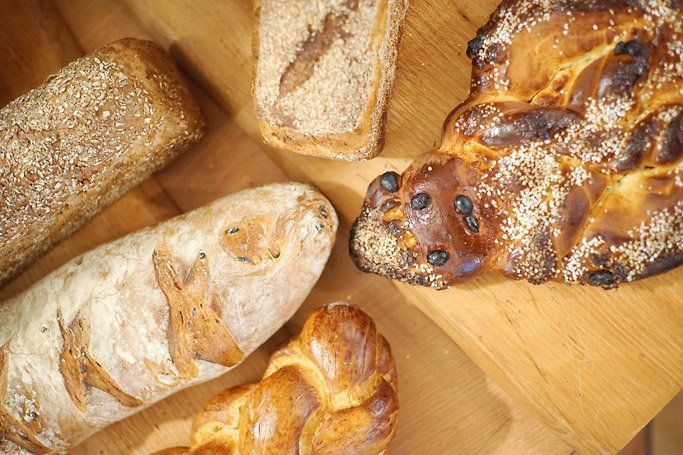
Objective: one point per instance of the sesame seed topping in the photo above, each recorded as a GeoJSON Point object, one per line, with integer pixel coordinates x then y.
{"type": "Point", "coordinates": [554, 189]}
{"type": "Point", "coordinates": [53, 137]}
{"type": "Point", "coordinates": [59, 142]}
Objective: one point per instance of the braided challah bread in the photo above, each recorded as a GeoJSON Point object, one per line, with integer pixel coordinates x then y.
{"type": "Point", "coordinates": [564, 163]}
{"type": "Point", "coordinates": [331, 390]}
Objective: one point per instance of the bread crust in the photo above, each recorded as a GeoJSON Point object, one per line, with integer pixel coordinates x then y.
{"type": "Point", "coordinates": [363, 140]}
{"type": "Point", "coordinates": [314, 402]}
{"type": "Point", "coordinates": [567, 153]}
{"type": "Point", "coordinates": [100, 126]}
{"type": "Point", "coordinates": [133, 321]}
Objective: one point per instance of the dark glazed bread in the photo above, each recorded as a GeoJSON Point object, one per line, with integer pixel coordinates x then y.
{"type": "Point", "coordinates": [564, 163]}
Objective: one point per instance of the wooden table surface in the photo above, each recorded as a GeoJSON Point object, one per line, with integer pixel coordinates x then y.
{"type": "Point", "coordinates": [447, 403]}
{"type": "Point", "coordinates": [594, 366]}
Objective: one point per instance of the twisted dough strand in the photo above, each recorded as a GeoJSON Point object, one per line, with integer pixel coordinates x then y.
{"type": "Point", "coordinates": [331, 390]}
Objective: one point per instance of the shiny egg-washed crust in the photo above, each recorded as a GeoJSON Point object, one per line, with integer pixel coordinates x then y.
{"type": "Point", "coordinates": [330, 390]}
{"type": "Point", "coordinates": [97, 128]}
{"type": "Point", "coordinates": [564, 163]}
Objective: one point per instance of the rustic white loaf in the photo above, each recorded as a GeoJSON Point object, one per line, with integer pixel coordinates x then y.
{"type": "Point", "coordinates": [94, 130]}
{"type": "Point", "coordinates": [133, 321]}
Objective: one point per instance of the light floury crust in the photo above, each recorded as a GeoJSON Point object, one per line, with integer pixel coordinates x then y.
{"type": "Point", "coordinates": [130, 322]}
{"type": "Point", "coordinates": [324, 73]}
{"type": "Point", "coordinates": [94, 130]}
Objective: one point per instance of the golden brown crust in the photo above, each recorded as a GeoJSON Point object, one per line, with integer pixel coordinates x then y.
{"type": "Point", "coordinates": [330, 390]}
{"type": "Point", "coordinates": [575, 173]}
{"type": "Point", "coordinates": [307, 104]}
{"type": "Point", "coordinates": [79, 369]}
{"type": "Point", "coordinates": [218, 412]}
{"type": "Point", "coordinates": [246, 242]}
{"type": "Point", "coordinates": [94, 130]}
{"type": "Point", "coordinates": [194, 331]}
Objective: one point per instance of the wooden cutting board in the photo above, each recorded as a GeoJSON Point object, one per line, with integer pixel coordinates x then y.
{"type": "Point", "coordinates": [51, 45]}
{"type": "Point", "coordinates": [447, 402]}
{"type": "Point", "coordinates": [596, 366]}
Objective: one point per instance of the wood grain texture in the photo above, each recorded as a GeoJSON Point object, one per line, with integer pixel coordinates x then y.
{"type": "Point", "coordinates": [596, 366]}
{"type": "Point", "coordinates": [51, 44]}
{"type": "Point", "coordinates": [447, 402]}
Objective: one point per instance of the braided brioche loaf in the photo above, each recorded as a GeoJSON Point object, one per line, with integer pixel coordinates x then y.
{"type": "Point", "coordinates": [564, 162]}
{"type": "Point", "coordinates": [331, 390]}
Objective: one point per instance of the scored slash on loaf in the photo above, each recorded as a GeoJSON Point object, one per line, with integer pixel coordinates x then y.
{"type": "Point", "coordinates": [94, 130]}
{"type": "Point", "coordinates": [324, 74]}
{"type": "Point", "coordinates": [133, 321]}
{"type": "Point", "coordinates": [565, 163]}
{"type": "Point", "coordinates": [332, 389]}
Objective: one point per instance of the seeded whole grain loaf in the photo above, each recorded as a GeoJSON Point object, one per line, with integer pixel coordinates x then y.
{"type": "Point", "coordinates": [324, 73]}
{"type": "Point", "coordinates": [94, 130]}
{"type": "Point", "coordinates": [314, 403]}
{"type": "Point", "coordinates": [133, 321]}
{"type": "Point", "coordinates": [565, 163]}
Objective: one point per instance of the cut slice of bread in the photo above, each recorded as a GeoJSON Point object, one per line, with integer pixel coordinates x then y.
{"type": "Point", "coordinates": [324, 73]}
